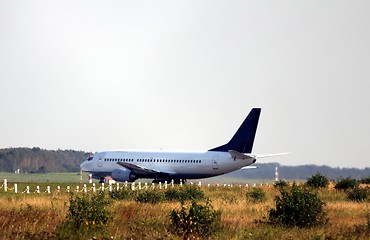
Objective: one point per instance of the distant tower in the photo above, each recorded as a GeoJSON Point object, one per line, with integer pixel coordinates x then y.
{"type": "Point", "coordinates": [276, 173]}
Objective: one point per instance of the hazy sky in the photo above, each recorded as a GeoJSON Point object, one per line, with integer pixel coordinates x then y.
{"type": "Point", "coordinates": [100, 75]}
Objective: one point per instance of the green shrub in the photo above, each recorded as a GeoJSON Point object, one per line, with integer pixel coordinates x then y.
{"type": "Point", "coordinates": [256, 195]}
{"type": "Point", "coordinates": [150, 197]}
{"type": "Point", "coordinates": [191, 192]}
{"type": "Point", "coordinates": [89, 211]}
{"type": "Point", "coordinates": [297, 207]}
{"type": "Point", "coordinates": [281, 184]}
{"type": "Point", "coordinates": [358, 194]}
{"type": "Point", "coordinates": [346, 183]}
{"type": "Point", "coordinates": [173, 194]}
{"type": "Point", "coordinates": [318, 181]}
{"type": "Point", "coordinates": [365, 180]}
{"type": "Point", "coordinates": [187, 192]}
{"type": "Point", "coordinates": [199, 221]}
{"type": "Point", "coordinates": [121, 194]}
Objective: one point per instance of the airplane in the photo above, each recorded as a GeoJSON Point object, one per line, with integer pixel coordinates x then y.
{"type": "Point", "coordinates": [161, 166]}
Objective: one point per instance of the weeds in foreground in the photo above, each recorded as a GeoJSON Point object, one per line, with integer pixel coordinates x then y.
{"type": "Point", "coordinates": [185, 193]}
{"type": "Point", "coordinates": [358, 194]}
{"type": "Point", "coordinates": [298, 207]}
{"type": "Point", "coordinates": [199, 221]}
{"type": "Point", "coordinates": [89, 211]}
{"type": "Point", "coordinates": [256, 195]}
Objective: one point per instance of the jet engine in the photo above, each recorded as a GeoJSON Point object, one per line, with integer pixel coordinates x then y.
{"type": "Point", "coordinates": [123, 175]}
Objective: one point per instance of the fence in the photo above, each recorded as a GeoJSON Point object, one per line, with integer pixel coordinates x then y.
{"type": "Point", "coordinates": [93, 187]}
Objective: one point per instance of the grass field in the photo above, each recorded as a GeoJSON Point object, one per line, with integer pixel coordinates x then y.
{"type": "Point", "coordinates": [43, 178]}
{"type": "Point", "coordinates": [40, 216]}
{"type": "Point", "coordinates": [75, 178]}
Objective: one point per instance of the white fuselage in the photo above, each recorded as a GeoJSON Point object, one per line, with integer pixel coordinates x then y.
{"type": "Point", "coordinates": [184, 165]}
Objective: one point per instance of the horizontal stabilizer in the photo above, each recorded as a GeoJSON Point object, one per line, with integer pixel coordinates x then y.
{"type": "Point", "coordinates": [273, 155]}
{"type": "Point", "coordinates": [239, 155]}
{"type": "Point", "coordinates": [249, 167]}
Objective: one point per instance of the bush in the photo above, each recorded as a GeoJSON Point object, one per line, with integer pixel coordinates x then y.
{"type": "Point", "coordinates": [89, 211]}
{"type": "Point", "coordinates": [200, 221]}
{"type": "Point", "coordinates": [365, 180]}
{"type": "Point", "coordinates": [150, 197]}
{"type": "Point", "coordinates": [256, 195]}
{"type": "Point", "coordinates": [192, 192]}
{"type": "Point", "coordinates": [318, 181]}
{"type": "Point", "coordinates": [281, 184]}
{"type": "Point", "coordinates": [299, 207]}
{"type": "Point", "coordinates": [173, 194]}
{"type": "Point", "coordinates": [346, 183]}
{"type": "Point", "coordinates": [121, 194]}
{"type": "Point", "coordinates": [358, 194]}
{"type": "Point", "coordinates": [187, 192]}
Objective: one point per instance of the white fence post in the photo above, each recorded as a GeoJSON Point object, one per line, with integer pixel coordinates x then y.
{"type": "Point", "coordinates": [68, 189]}
{"type": "Point", "coordinates": [28, 189]}
{"type": "Point", "coordinates": [48, 189]}
{"type": "Point", "coordinates": [77, 188]}
{"type": "Point", "coordinates": [172, 182]}
{"type": "Point", "coordinates": [85, 188]}
{"type": "Point", "coordinates": [139, 185]}
{"type": "Point", "coordinates": [58, 189]}
{"type": "Point", "coordinates": [37, 189]}
{"type": "Point", "coordinates": [102, 187]}
{"type": "Point", "coordinates": [117, 187]}
{"type": "Point", "coordinates": [133, 186]}
{"type": "Point", "coordinates": [90, 178]}
{"type": "Point", "coordinates": [15, 188]}
{"type": "Point", "coordinates": [110, 187]}
{"type": "Point", "coordinates": [5, 185]}
{"type": "Point", "coordinates": [165, 184]}
{"type": "Point", "coordinates": [153, 186]}
{"type": "Point", "coordinates": [146, 186]}
{"type": "Point", "coordinates": [94, 188]}
{"type": "Point", "coordinates": [160, 185]}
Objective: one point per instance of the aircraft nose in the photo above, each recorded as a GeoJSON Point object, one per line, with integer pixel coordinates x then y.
{"type": "Point", "coordinates": [83, 166]}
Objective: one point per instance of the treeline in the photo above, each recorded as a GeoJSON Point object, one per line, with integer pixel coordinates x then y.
{"type": "Point", "coordinates": [267, 171]}
{"type": "Point", "coordinates": [36, 160]}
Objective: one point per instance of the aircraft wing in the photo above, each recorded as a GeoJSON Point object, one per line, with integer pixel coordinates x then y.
{"type": "Point", "coordinates": [140, 169]}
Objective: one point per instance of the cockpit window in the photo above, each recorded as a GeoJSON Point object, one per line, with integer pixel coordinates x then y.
{"type": "Point", "coordinates": [90, 158]}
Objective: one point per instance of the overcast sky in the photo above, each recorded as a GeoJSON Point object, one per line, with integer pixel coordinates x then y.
{"type": "Point", "coordinates": [101, 75]}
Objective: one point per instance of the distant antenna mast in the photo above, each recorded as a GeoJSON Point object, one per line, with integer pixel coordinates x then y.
{"type": "Point", "coordinates": [276, 173]}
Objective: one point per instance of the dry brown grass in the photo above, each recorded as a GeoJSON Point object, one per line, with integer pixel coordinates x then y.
{"type": "Point", "coordinates": [36, 216]}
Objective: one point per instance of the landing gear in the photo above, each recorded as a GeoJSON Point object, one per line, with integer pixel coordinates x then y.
{"type": "Point", "coordinates": [101, 180]}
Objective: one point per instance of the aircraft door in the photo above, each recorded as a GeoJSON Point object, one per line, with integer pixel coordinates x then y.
{"type": "Point", "coordinates": [215, 162]}
{"type": "Point", "coordinates": [100, 161]}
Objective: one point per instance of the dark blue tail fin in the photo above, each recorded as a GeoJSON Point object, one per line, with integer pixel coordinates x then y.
{"type": "Point", "coordinates": [244, 137]}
